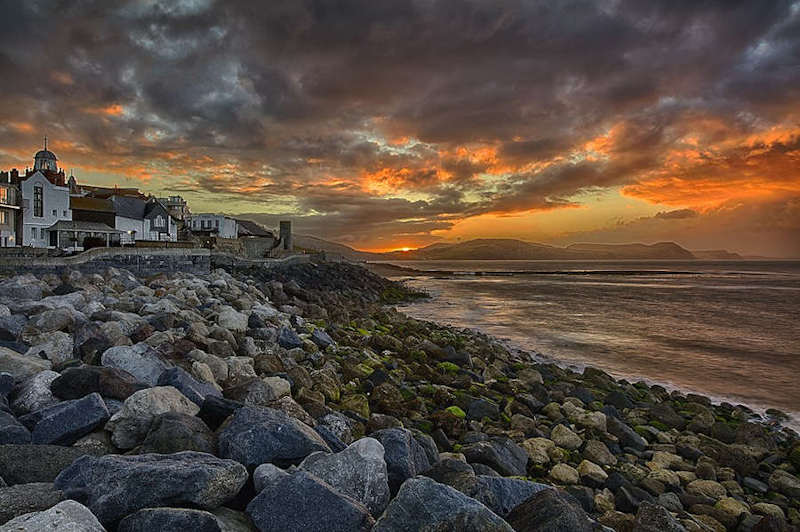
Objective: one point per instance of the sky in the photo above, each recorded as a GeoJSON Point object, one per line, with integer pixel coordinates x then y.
{"type": "Point", "coordinates": [399, 123]}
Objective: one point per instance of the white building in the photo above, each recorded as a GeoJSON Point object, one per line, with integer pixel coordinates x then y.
{"type": "Point", "coordinates": [215, 224]}
{"type": "Point", "coordinates": [158, 222]}
{"type": "Point", "coordinates": [45, 200]}
{"type": "Point", "coordinates": [9, 213]}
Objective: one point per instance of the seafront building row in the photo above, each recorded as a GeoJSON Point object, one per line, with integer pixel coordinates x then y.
{"type": "Point", "coordinates": [43, 208]}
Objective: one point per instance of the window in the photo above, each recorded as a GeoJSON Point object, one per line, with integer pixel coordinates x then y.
{"type": "Point", "coordinates": [33, 233]}
{"type": "Point", "coordinates": [65, 213]}
{"type": "Point", "coordinates": [3, 217]}
{"type": "Point", "coordinates": [38, 201]}
{"type": "Point", "coordinates": [4, 195]}
{"type": "Point", "coordinates": [216, 223]}
{"type": "Point", "coordinates": [158, 221]}
{"type": "Point", "coordinates": [55, 212]}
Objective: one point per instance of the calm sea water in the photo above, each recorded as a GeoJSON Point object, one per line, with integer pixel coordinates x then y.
{"type": "Point", "coordinates": [730, 330]}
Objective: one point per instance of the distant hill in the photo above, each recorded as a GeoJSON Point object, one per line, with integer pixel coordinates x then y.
{"type": "Point", "coordinates": [508, 249]}
{"type": "Point", "coordinates": [716, 254]}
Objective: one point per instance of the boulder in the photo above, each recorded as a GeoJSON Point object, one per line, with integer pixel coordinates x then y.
{"type": "Point", "coordinates": [34, 393]}
{"type": "Point", "coordinates": [57, 347]}
{"type": "Point", "coordinates": [565, 438]}
{"type": "Point", "coordinates": [626, 435]}
{"type": "Point", "coordinates": [259, 392]}
{"type": "Point", "coordinates": [21, 289]}
{"type": "Point", "coordinates": [66, 516]}
{"type": "Point", "coordinates": [232, 320]}
{"type": "Point", "coordinates": [25, 498]}
{"type": "Point", "coordinates": [550, 511]}
{"type": "Point", "coordinates": [257, 435]}
{"type": "Point", "coordinates": [597, 452]}
{"type": "Point", "coordinates": [654, 518]}
{"type": "Point", "coordinates": [301, 501]}
{"type": "Point", "coordinates": [359, 471]}
{"type": "Point", "coordinates": [21, 366]}
{"type": "Point", "coordinates": [114, 486]}
{"type": "Point", "coordinates": [233, 521]}
{"type": "Point", "coordinates": [321, 338]}
{"type": "Point", "coordinates": [139, 360]}
{"type": "Point", "coordinates": [67, 422]}
{"type": "Point", "coordinates": [501, 454]}
{"type": "Point", "coordinates": [174, 432]}
{"type": "Point", "coordinates": [215, 410]}
{"type": "Point", "coordinates": [785, 483]}
{"type": "Point", "coordinates": [152, 519]}
{"type": "Point", "coordinates": [109, 382]}
{"type": "Point", "coordinates": [20, 464]}
{"type": "Point", "coordinates": [11, 430]}
{"type": "Point", "coordinates": [403, 454]}
{"type": "Point", "coordinates": [707, 488]}
{"type": "Point", "coordinates": [424, 504]}
{"type": "Point", "coordinates": [288, 339]}
{"type": "Point", "coordinates": [500, 494]}
{"type": "Point", "coordinates": [564, 474]}
{"type": "Point", "coordinates": [131, 424]}
{"type": "Point", "coordinates": [195, 390]}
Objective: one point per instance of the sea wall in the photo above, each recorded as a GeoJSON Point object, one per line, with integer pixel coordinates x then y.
{"type": "Point", "coordinates": [140, 261]}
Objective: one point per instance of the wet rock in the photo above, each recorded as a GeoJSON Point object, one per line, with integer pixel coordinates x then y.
{"type": "Point", "coordinates": [257, 435]}
{"type": "Point", "coordinates": [481, 408]}
{"type": "Point", "coordinates": [25, 498]}
{"type": "Point", "coordinates": [359, 471]}
{"type": "Point", "coordinates": [152, 519]}
{"type": "Point", "coordinates": [139, 360]}
{"type": "Point", "coordinates": [655, 518]}
{"type": "Point", "coordinates": [501, 454]}
{"type": "Point", "coordinates": [21, 366]}
{"type": "Point", "coordinates": [549, 511]}
{"type": "Point", "coordinates": [65, 423]}
{"type": "Point", "coordinates": [728, 511]}
{"type": "Point", "coordinates": [34, 393]}
{"type": "Point", "coordinates": [20, 464]}
{"type": "Point", "coordinates": [74, 383]}
{"type": "Point", "coordinates": [11, 430]}
{"type": "Point", "coordinates": [565, 438]}
{"type": "Point", "coordinates": [786, 483]}
{"type": "Point", "coordinates": [301, 501]}
{"type": "Point", "coordinates": [404, 456]}
{"type": "Point", "coordinates": [66, 516]}
{"type": "Point", "coordinates": [130, 425]}
{"type": "Point", "coordinates": [215, 410]}
{"type": "Point", "coordinates": [174, 432]}
{"type": "Point", "coordinates": [424, 504]}
{"type": "Point", "coordinates": [195, 390]}
{"type": "Point", "coordinates": [115, 486]}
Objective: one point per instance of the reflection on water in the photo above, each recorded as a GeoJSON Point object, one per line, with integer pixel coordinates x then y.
{"type": "Point", "coordinates": [725, 329]}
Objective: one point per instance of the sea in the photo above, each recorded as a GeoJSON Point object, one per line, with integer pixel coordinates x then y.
{"type": "Point", "coordinates": [729, 330]}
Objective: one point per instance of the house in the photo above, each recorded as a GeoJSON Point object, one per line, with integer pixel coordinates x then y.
{"type": "Point", "coordinates": [176, 206]}
{"type": "Point", "coordinates": [10, 212]}
{"type": "Point", "coordinates": [217, 225]}
{"type": "Point", "coordinates": [129, 217]}
{"type": "Point", "coordinates": [158, 223]}
{"type": "Point", "coordinates": [247, 228]}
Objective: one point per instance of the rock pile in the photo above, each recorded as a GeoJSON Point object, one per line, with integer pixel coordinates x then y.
{"type": "Point", "coordinates": [295, 399]}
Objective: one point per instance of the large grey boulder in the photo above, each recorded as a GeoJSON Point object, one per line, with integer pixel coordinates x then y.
{"type": "Point", "coordinates": [195, 390]}
{"type": "Point", "coordinates": [25, 498]}
{"type": "Point", "coordinates": [21, 366]}
{"type": "Point", "coordinates": [34, 393]}
{"type": "Point", "coordinates": [57, 347]}
{"type": "Point", "coordinates": [229, 318]}
{"type": "Point", "coordinates": [131, 424]}
{"type": "Point", "coordinates": [424, 504]}
{"type": "Point", "coordinates": [66, 516]}
{"type": "Point", "coordinates": [359, 471]}
{"type": "Point", "coordinates": [114, 486]}
{"type": "Point", "coordinates": [301, 501]}
{"type": "Point", "coordinates": [288, 339]}
{"type": "Point", "coordinates": [550, 511]}
{"type": "Point", "coordinates": [627, 436]}
{"type": "Point", "coordinates": [233, 521]}
{"type": "Point", "coordinates": [257, 435]}
{"type": "Point", "coordinates": [501, 494]}
{"type": "Point", "coordinates": [174, 432]}
{"type": "Point", "coordinates": [259, 392]}
{"type": "Point", "coordinates": [67, 422]}
{"type": "Point", "coordinates": [139, 360]}
{"type": "Point", "coordinates": [404, 455]}
{"type": "Point", "coordinates": [74, 383]}
{"type": "Point", "coordinates": [20, 464]}
{"type": "Point", "coordinates": [21, 289]}
{"type": "Point", "coordinates": [501, 454]}
{"type": "Point", "coordinates": [179, 519]}
{"type": "Point", "coordinates": [654, 518]}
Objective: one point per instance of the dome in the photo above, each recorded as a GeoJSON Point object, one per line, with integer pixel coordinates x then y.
{"type": "Point", "coordinates": [45, 154]}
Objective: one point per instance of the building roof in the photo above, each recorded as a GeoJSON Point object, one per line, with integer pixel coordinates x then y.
{"type": "Point", "coordinates": [89, 227]}
{"type": "Point", "coordinates": [248, 228]}
{"type": "Point", "coordinates": [90, 204]}
{"type": "Point", "coordinates": [45, 154]}
{"type": "Point", "coordinates": [128, 207]}
{"type": "Point", "coordinates": [107, 192]}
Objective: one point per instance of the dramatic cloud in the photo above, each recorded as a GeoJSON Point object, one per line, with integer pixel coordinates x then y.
{"type": "Point", "coordinates": [395, 122]}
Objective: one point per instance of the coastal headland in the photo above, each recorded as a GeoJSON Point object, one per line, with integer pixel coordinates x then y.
{"type": "Point", "coordinates": [297, 398]}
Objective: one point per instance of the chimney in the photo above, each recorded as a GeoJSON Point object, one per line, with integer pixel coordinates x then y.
{"type": "Point", "coordinates": [286, 234]}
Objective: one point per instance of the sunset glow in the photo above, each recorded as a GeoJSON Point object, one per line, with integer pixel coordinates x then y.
{"type": "Point", "coordinates": [395, 126]}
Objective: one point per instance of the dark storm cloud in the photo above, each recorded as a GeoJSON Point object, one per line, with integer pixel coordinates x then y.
{"type": "Point", "coordinates": [355, 111]}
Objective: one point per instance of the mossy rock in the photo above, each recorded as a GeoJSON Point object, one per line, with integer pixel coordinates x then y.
{"type": "Point", "coordinates": [448, 367]}
{"type": "Point", "coordinates": [659, 425]}
{"type": "Point", "coordinates": [456, 411]}
{"type": "Point", "coordinates": [358, 403]}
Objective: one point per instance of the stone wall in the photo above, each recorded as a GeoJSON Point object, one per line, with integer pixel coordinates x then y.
{"type": "Point", "coordinates": [140, 261]}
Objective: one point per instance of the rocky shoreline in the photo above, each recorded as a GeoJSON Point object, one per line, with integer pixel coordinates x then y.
{"type": "Point", "coordinates": [298, 398]}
